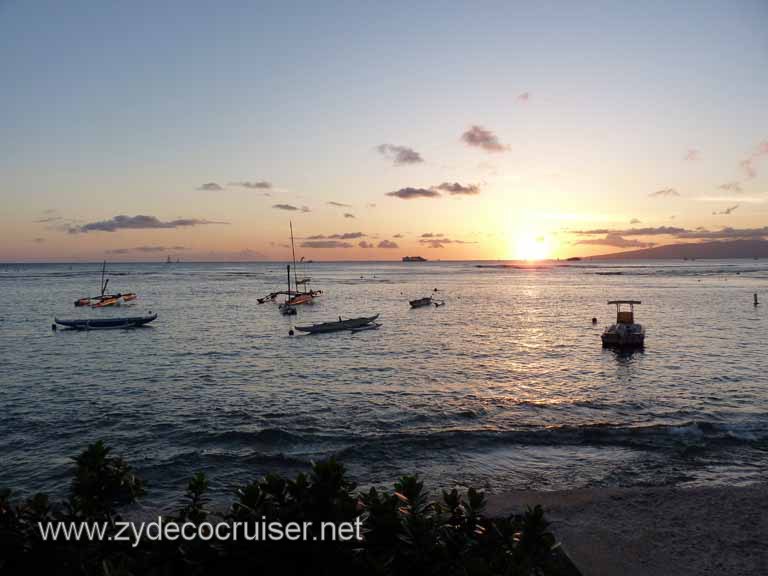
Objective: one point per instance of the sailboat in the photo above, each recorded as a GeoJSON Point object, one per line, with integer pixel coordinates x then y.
{"type": "Point", "coordinates": [103, 299]}
{"type": "Point", "coordinates": [286, 308]}
{"type": "Point", "coordinates": [295, 298]}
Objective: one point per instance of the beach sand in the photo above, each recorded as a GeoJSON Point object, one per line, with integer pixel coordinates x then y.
{"type": "Point", "coordinates": [656, 531]}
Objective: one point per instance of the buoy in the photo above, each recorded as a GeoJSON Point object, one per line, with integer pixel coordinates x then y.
{"type": "Point", "coordinates": [290, 332]}
{"type": "Point", "coordinates": [756, 302]}
{"type": "Point", "coordinates": [594, 320]}
{"type": "Point", "coordinates": [53, 327]}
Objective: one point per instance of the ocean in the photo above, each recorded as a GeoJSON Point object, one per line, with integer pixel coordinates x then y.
{"type": "Point", "coordinates": [506, 386]}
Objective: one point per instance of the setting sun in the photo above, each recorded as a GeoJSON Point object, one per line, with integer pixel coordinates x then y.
{"type": "Point", "coordinates": [532, 246]}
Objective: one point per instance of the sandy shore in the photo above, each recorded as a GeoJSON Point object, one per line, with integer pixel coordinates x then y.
{"type": "Point", "coordinates": [656, 531]}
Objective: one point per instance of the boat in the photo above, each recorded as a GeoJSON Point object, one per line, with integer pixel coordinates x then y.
{"type": "Point", "coordinates": [295, 298]}
{"type": "Point", "coordinates": [414, 259]}
{"type": "Point", "coordinates": [286, 308]}
{"type": "Point", "coordinates": [624, 333]}
{"type": "Point", "coordinates": [421, 302]}
{"type": "Point", "coordinates": [100, 323]}
{"type": "Point", "coordinates": [338, 325]}
{"type": "Point", "coordinates": [104, 300]}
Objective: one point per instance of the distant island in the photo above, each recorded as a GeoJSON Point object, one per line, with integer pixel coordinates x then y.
{"type": "Point", "coordinates": [706, 250]}
{"type": "Point", "coordinates": [414, 259]}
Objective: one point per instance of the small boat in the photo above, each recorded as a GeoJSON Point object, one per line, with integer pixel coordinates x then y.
{"type": "Point", "coordinates": [624, 333]}
{"type": "Point", "coordinates": [295, 298]}
{"type": "Point", "coordinates": [421, 302]}
{"type": "Point", "coordinates": [338, 325]}
{"type": "Point", "coordinates": [99, 323]}
{"type": "Point", "coordinates": [104, 300]}
{"type": "Point", "coordinates": [414, 259]}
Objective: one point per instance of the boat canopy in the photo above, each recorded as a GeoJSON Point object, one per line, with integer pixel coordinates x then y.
{"type": "Point", "coordinates": [624, 302]}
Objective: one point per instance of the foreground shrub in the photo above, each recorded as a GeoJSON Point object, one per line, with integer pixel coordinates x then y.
{"type": "Point", "coordinates": [403, 531]}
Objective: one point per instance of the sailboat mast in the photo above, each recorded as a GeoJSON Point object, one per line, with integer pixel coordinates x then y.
{"type": "Point", "coordinates": [103, 269]}
{"type": "Point", "coordinates": [293, 251]}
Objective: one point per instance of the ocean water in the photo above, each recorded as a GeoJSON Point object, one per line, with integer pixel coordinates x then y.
{"type": "Point", "coordinates": [506, 386]}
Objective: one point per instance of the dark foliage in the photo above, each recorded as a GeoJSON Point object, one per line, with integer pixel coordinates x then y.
{"type": "Point", "coordinates": [403, 532]}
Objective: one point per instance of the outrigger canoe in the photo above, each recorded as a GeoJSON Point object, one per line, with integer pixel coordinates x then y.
{"type": "Point", "coordinates": [336, 326]}
{"type": "Point", "coordinates": [99, 323]}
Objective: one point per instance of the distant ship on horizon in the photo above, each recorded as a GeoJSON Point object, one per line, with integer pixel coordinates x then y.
{"type": "Point", "coordinates": [414, 259]}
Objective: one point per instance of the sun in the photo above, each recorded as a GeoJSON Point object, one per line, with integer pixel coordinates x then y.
{"type": "Point", "coordinates": [532, 246]}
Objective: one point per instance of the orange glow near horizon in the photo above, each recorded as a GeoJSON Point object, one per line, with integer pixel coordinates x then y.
{"type": "Point", "coordinates": [529, 245]}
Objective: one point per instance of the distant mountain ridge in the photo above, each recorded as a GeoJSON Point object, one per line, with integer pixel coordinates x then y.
{"type": "Point", "coordinates": [707, 250]}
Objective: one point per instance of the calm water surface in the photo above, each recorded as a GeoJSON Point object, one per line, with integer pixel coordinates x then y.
{"type": "Point", "coordinates": [506, 386]}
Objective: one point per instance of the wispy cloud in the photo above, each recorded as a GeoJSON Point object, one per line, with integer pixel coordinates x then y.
{"type": "Point", "coordinates": [139, 222]}
{"type": "Point", "coordinates": [634, 221]}
{"type": "Point", "coordinates": [348, 215]}
{"type": "Point", "coordinates": [338, 236]}
{"type": "Point", "coordinates": [387, 244]}
{"type": "Point", "coordinates": [146, 249]}
{"type": "Point", "coordinates": [400, 155]}
{"type": "Point", "coordinates": [454, 188]}
{"type": "Point", "coordinates": [664, 192]}
{"type": "Point", "coordinates": [411, 193]}
{"type": "Point", "coordinates": [748, 164]}
{"type": "Point", "coordinates": [339, 204]}
{"type": "Point", "coordinates": [253, 185]}
{"type": "Point", "coordinates": [734, 187]}
{"type": "Point", "coordinates": [692, 155]}
{"type": "Point", "coordinates": [38, 240]}
{"type": "Point", "coordinates": [481, 138]}
{"type": "Point", "coordinates": [727, 233]}
{"type": "Point", "coordinates": [439, 241]}
{"type": "Point", "coordinates": [397, 236]}
{"type": "Point", "coordinates": [290, 208]}
{"type": "Point", "coordinates": [524, 97]}
{"type": "Point", "coordinates": [325, 244]}
{"type": "Point", "coordinates": [726, 212]}
{"type": "Point", "coordinates": [616, 241]}
{"type": "Point", "coordinates": [364, 244]}
{"type": "Point", "coordinates": [432, 235]}
{"type": "Point", "coordinates": [210, 187]}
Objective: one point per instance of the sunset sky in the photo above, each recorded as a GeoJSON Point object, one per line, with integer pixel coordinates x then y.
{"type": "Point", "coordinates": [483, 130]}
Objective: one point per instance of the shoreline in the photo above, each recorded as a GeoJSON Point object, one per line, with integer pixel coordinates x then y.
{"type": "Point", "coordinates": [665, 530]}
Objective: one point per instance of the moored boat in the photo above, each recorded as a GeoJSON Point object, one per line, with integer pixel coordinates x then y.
{"type": "Point", "coordinates": [100, 323]}
{"type": "Point", "coordinates": [421, 302]}
{"type": "Point", "coordinates": [624, 333]}
{"type": "Point", "coordinates": [104, 300]}
{"type": "Point", "coordinates": [338, 325]}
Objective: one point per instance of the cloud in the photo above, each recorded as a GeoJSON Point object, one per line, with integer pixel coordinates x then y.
{"type": "Point", "coordinates": [340, 236]}
{"type": "Point", "coordinates": [371, 205]}
{"type": "Point", "coordinates": [146, 249]}
{"type": "Point", "coordinates": [726, 212]}
{"type": "Point", "coordinates": [364, 244]}
{"type": "Point", "coordinates": [691, 155]}
{"type": "Point", "coordinates": [325, 244]}
{"type": "Point", "coordinates": [38, 240]}
{"type": "Point", "coordinates": [339, 204]}
{"type": "Point", "coordinates": [454, 188]}
{"type": "Point", "coordinates": [397, 236]}
{"type": "Point", "coordinates": [438, 241]}
{"type": "Point", "coordinates": [616, 241]}
{"type": "Point", "coordinates": [664, 192]}
{"type": "Point", "coordinates": [683, 233]}
{"type": "Point", "coordinates": [410, 193]}
{"type": "Point", "coordinates": [387, 244]}
{"type": "Point", "coordinates": [254, 185]}
{"type": "Point", "coordinates": [431, 235]}
{"type": "Point", "coordinates": [348, 215]}
{"type": "Point", "coordinates": [139, 222]}
{"type": "Point", "coordinates": [734, 187]}
{"type": "Point", "coordinates": [482, 138]}
{"type": "Point", "coordinates": [210, 187]}
{"type": "Point", "coordinates": [749, 168]}
{"type": "Point", "coordinates": [524, 97]}
{"type": "Point", "coordinates": [400, 155]}
{"type": "Point", "coordinates": [48, 220]}
{"type": "Point", "coordinates": [291, 208]}
{"type": "Point", "coordinates": [634, 221]}
{"type": "Point", "coordinates": [657, 231]}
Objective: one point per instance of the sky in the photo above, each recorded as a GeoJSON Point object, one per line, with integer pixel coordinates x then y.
{"type": "Point", "coordinates": [451, 130]}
